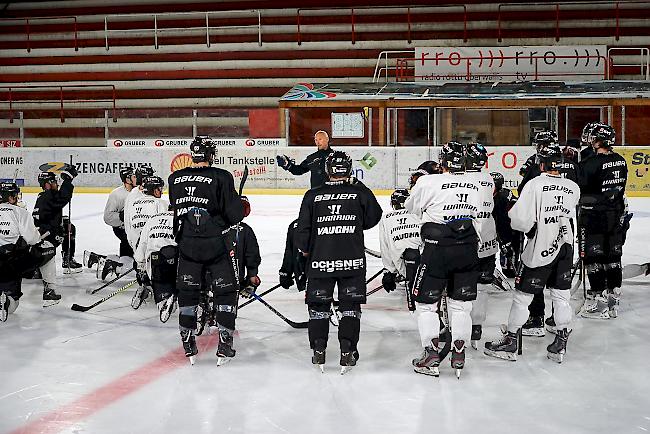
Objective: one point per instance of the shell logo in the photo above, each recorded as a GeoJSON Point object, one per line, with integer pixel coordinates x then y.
{"type": "Point", "coordinates": [180, 161]}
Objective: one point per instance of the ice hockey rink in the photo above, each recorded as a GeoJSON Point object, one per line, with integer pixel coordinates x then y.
{"type": "Point", "coordinates": [118, 370]}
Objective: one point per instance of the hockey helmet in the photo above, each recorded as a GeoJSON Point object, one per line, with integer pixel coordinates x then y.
{"type": "Point", "coordinates": [545, 138]}
{"type": "Point", "coordinates": [46, 178]}
{"type": "Point", "coordinates": [126, 172]}
{"type": "Point", "coordinates": [431, 167]}
{"type": "Point", "coordinates": [476, 156]}
{"type": "Point", "coordinates": [498, 180]}
{"type": "Point", "coordinates": [398, 197]}
{"type": "Point", "coordinates": [141, 173]}
{"type": "Point", "coordinates": [584, 137]}
{"type": "Point", "coordinates": [151, 183]}
{"type": "Point", "coordinates": [338, 164]}
{"type": "Point", "coordinates": [7, 190]}
{"type": "Point", "coordinates": [551, 157]}
{"type": "Point", "coordinates": [203, 149]}
{"type": "Point", "coordinates": [247, 205]}
{"type": "Point", "coordinates": [452, 156]}
{"type": "Point", "coordinates": [415, 176]}
{"type": "Point", "coordinates": [603, 134]}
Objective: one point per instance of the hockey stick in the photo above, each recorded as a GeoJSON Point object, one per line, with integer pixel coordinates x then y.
{"type": "Point", "coordinates": [374, 276]}
{"type": "Point", "coordinates": [371, 252]}
{"type": "Point", "coordinates": [264, 293]}
{"type": "Point", "coordinates": [374, 290]}
{"type": "Point", "coordinates": [79, 308]}
{"type": "Point", "coordinates": [501, 282]}
{"type": "Point", "coordinates": [94, 291]}
{"type": "Point", "coordinates": [295, 325]}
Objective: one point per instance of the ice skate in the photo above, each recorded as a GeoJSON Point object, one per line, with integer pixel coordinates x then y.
{"type": "Point", "coordinates": [505, 348]}
{"type": "Point", "coordinates": [318, 358]}
{"type": "Point", "coordinates": [70, 266]}
{"type": "Point", "coordinates": [557, 349]}
{"type": "Point", "coordinates": [139, 297]}
{"type": "Point", "coordinates": [550, 324]}
{"type": "Point", "coordinates": [108, 266]}
{"type": "Point", "coordinates": [458, 357]}
{"type": "Point", "coordinates": [596, 307]}
{"type": "Point", "coordinates": [166, 307]}
{"type": "Point", "coordinates": [189, 345]}
{"type": "Point", "coordinates": [477, 332]}
{"type": "Point", "coordinates": [91, 259]}
{"type": "Point", "coordinates": [348, 360]}
{"type": "Point", "coordinates": [225, 351]}
{"type": "Point", "coordinates": [613, 302]}
{"type": "Point", "coordinates": [428, 362]}
{"type": "Point", "coordinates": [50, 298]}
{"type": "Point", "coordinates": [4, 307]}
{"type": "Point", "coordinates": [534, 327]}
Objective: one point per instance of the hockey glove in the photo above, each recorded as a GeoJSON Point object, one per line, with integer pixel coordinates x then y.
{"type": "Point", "coordinates": [286, 281]}
{"type": "Point", "coordinates": [284, 162]}
{"type": "Point", "coordinates": [507, 251]}
{"type": "Point", "coordinates": [388, 281]}
{"type": "Point", "coordinates": [249, 289]}
{"type": "Point", "coordinates": [69, 172]}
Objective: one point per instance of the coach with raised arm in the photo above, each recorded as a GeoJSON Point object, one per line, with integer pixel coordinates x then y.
{"type": "Point", "coordinates": [314, 163]}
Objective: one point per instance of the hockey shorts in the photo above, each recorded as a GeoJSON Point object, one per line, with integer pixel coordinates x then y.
{"type": "Point", "coordinates": [193, 277]}
{"type": "Point", "coordinates": [163, 272]}
{"type": "Point", "coordinates": [604, 236]}
{"type": "Point", "coordinates": [556, 275]}
{"type": "Point", "coordinates": [486, 268]}
{"type": "Point", "coordinates": [18, 259]}
{"type": "Point", "coordinates": [449, 261]}
{"type": "Point", "coordinates": [320, 290]}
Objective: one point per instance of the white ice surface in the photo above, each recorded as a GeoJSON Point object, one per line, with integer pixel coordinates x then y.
{"type": "Point", "coordinates": [51, 357]}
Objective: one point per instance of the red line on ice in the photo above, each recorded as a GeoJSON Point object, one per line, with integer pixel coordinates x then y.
{"type": "Point", "coordinates": [83, 407]}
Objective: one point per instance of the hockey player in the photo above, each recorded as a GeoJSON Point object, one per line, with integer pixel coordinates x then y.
{"type": "Point", "coordinates": [475, 160]}
{"type": "Point", "coordinates": [399, 241]}
{"type": "Point", "coordinates": [508, 239]}
{"type": "Point", "coordinates": [136, 193]}
{"type": "Point", "coordinates": [588, 150]}
{"type": "Point", "coordinates": [293, 263]}
{"type": "Point", "coordinates": [447, 205]}
{"type": "Point", "coordinates": [205, 204]}
{"type": "Point", "coordinates": [544, 212]}
{"type": "Point", "coordinates": [241, 238]}
{"type": "Point", "coordinates": [330, 233]}
{"type": "Point", "coordinates": [314, 163]}
{"type": "Point", "coordinates": [428, 167]}
{"type": "Point", "coordinates": [114, 210]}
{"type": "Point", "coordinates": [530, 169]}
{"type": "Point", "coordinates": [21, 250]}
{"type": "Point", "coordinates": [603, 221]}
{"type": "Point", "coordinates": [156, 256]}
{"type": "Point", "coordinates": [48, 214]}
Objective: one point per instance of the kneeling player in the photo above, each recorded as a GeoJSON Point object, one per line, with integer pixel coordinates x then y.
{"type": "Point", "coordinates": [330, 232]}
{"type": "Point", "coordinates": [399, 241]}
{"type": "Point", "coordinates": [544, 212]}
{"type": "Point", "coordinates": [21, 251]}
{"type": "Point", "coordinates": [447, 205]}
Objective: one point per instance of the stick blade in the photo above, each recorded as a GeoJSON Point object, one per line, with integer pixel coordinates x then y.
{"type": "Point", "coordinates": [299, 325]}
{"type": "Point", "coordinates": [78, 308]}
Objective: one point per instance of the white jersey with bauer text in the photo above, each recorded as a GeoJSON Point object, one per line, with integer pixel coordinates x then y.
{"type": "Point", "coordinates": [398, 230]}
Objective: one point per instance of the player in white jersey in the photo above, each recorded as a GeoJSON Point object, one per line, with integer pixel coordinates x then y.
{"type": "Point", "coordinates": [156, 256]}
{"type": "Point", "coordinates": [399, 241]}
{"type": "Point", "coordinates": [21, 251]}
{"type": "Point", "coordinates": [447, 205]}
{"type": "Point", "coordinates": [487, 231]}
{"type": "Point", "coordinates": [141, 209]}
{"type": "Point", "coordinates": [141, 173]}
{"type": "Point", "coordinates": [114, 210]}
{"type": "Point", "coordinates": [545, 212]}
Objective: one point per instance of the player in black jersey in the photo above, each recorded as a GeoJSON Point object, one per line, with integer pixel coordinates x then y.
{"type": "Point", "coordinates": [602, 209]}
{"type": "Point", "coordinates": [330, 234]}
{"type": "Point", "coordinates": [293, 263]}
{"type": "Point", "coordinates": [205, 204]}
{"type": "Point", "coordinates": [508, 238]}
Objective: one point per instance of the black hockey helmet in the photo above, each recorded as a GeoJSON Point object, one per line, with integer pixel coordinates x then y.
{"type": "Point", "coordinates": [46, 178]}
{"type": "Point", "coordinates": [551, 157]}
{"type": "Point", "coordinates": [203, 149]}
{"type": "Point", "coordinates": [415, 176]}
{"type": "Point", "coordinates": [603, 134]}
{"type": "Point", "coordinates": [498, 180]}
{"type": "Point", "coordinates": [126, 172]}
{"type": "Point", "coordinates": [7, 190]}
{"type": "Point", "coordinates": [338, 164]}
{"type": "Point", "coordinates": [476, 156]}
{"type": "Point", "coordinates": [545, 138]}
{"type": "Point", "coordinates": [141, 173]}
{"type": "Point", "coordinates": [584, 137]}
{"type": "Point", "coordinates": [431, 167]}
{"type": "Point", "coordinates": [151, 183]}
{"type": "Point", "coordinates": [398, 197]}
{"type": "Point", "coordinates": [452, 156]}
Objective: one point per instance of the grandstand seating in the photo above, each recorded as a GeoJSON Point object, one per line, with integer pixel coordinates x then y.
{"type": "Point", "coordinates": [80, 73]}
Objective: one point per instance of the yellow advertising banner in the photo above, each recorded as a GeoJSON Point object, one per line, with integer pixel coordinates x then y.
{"type": "Point", "coordinates": [638, 166]}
